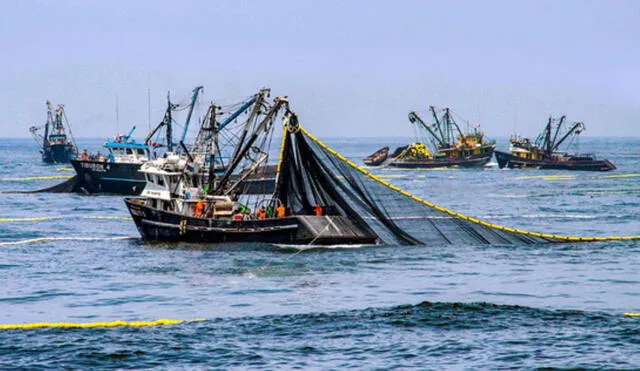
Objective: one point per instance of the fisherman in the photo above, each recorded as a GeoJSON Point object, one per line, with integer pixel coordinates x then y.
{"type": "Point", "coordinates": [199, 209]}
{"type": "Point", "coordinates": [261, 213]}
{"type": "Point", "coordinates": [281, 211]}
{"type": "Point", "coordinates": [318, 210]}
{"type": "Point", "coordinates": [84, 155]}
{"type": "Point", "coordinates": [239, 212]}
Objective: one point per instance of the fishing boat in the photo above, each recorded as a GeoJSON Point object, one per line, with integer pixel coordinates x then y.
{"type": "Point", "coordinates": [377, 158]}
{"type": "Point", "coordinates": [117, 172]}
{"type": "Point", "coordinates": [453, 146]}
{"type": "Point", "coordinates": [57, 147]}
{"type": "Point", "coordinates": [544, 153]}
{"type": "Point", "coordinates": [187, 201]}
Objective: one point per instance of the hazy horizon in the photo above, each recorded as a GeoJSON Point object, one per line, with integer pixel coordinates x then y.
{"type": "Point", "coordinates": [349, 68]}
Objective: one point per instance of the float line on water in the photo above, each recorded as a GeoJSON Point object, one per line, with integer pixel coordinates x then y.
{"type": "Point", "coordinates": [45, 239]}
{"type": "Point", "coordinates": [51, 177]}
{"type": "Point", "coordinates": [118, 323]}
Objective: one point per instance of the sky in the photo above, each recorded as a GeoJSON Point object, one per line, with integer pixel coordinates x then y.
{"type": "Point", "coordinates": [349, 68]}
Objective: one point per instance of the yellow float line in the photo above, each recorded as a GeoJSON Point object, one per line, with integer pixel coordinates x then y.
{"type": "Point", "coordinates": [36, 325]}
{"type": "Point", "coordinates": [547, 177]}
{"type": "Point", "coordinates": [37, 219]}
{"type": "Point", "coordinates": [45, 239]}
{"type": "Point", "coordinates": [632, 314]}
{"type": "Point", "coordinates": [462, 216]}
{"type": "Point", "coordinates": [109, 217]}
{"type": "Point", "coordinates": [39, 178]}
{"type": "Point", "coordinates": [65, 169]}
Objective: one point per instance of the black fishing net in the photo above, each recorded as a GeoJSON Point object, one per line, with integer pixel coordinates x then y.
{"type": "Point", "coordinates": [312, 175]}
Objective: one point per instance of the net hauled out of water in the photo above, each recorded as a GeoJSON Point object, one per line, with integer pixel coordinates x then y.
{"type": "Point", "coordinates": [313, 174]}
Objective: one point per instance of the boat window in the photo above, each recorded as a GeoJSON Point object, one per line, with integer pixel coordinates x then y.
{"type": "Point", "coordinates": [129, 151]}
{"type": "Point", "coordinates": [148, 178]}
{"type": "Point", "coordinates": [141, 151]}
{"type": "Point", "coordinates": [167, 205]}
{"type": "Point", "coordinates": [154, 203]}
{"type": "Point", "coordinates": [160, 180]}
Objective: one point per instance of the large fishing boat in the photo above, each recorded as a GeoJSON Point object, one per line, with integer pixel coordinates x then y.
{"type": "Point", "coordinates": [57, 147]}
{"type": "Point", "coordinates": [187, 201]}
{"type": "Point", "coordinates": [544, 152]}
{"type": "Point", "coordinates": [453, 146]}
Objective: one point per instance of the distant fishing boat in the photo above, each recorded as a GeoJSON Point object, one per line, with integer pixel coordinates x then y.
{"type": "Point", "coordinates": [453, 146]}
{"type": "Point", "coordinates": [57, 148]}
{"type": "Point", "coordinates": [544, 152]}
{"type": "Point", "coordinates": [377, 158]}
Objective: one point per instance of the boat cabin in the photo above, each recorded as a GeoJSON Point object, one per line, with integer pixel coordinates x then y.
{"type": "Point", "coordinates": [170, 188]}
{"type": "Point", "coordinates": [57, 139]}
{"type": "Point", "coordinates": [129, 152]}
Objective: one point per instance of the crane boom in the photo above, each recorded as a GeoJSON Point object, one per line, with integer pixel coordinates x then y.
{"type": "Point", "coordinates": [555, 135]}
{"type": "Point", "coordinates": [166, 121]}
{"type": "Point", "coordinates": [263, 126]}
{"type": "Point", "coordinates": [194, 97]}
{"type": "Point", "coordinates": [413, 118]}
{"type": "Point", "coordinates": [435, 117]}
{"type": "Point", "coordinates": [574, 128]}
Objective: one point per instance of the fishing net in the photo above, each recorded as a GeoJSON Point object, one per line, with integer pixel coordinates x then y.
{"type": "Point", "coordinates": [312, 174]}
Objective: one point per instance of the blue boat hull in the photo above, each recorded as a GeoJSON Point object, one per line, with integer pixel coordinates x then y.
{"type": "Point", "coordinates": [109, 177]}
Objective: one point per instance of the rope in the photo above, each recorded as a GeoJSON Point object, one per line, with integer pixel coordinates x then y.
{"type": "Point", "coordinates": [459, 215]}
{"type": "Point", "coordinates": [118, 323]}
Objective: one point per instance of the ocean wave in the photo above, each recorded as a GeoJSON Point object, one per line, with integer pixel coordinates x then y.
{"type": "Point", "coordinates": [425, 335]}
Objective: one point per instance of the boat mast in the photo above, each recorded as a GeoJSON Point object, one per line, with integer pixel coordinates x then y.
{"type": "Point", "coordinates": [555, 135]}
{"type": "Point", "coordinates": [165, 121]}
{"type": "Point", "coordinates": [168, 122]}
{"type": "Point", "coordinates": [49, 122]}
{"type": "Point", "coordinates": [413, 118]}
{"type": "Point", "coordinates": [259, 100]}
{"type": "Point", "coordinates": [450, 122]}
{"type": "Point", "coordinates": [212, 146]}
{"type": "Point", "coordinates": [576, 128]}
{"type": "Point", "coordinates": [547, 138]}
{"type": "Point", "coordinates": [435, 117]}
{"type": "Point", "coordinates": [194, 97]}
{"type": "Point", "coordinates": [262, 127]}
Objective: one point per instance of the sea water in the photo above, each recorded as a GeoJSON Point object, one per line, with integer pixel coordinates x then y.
{"type": "Point", "coordinates": [78, 258]}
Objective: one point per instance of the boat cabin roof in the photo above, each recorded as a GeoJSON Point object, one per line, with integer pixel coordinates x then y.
{"type": "Point", "coordinates": [112, 144]}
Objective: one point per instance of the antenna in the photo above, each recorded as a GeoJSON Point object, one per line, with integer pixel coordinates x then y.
{"type": "Point", "coordinates": [148, 101]}
{"type": "Point", "coordinates": [117, 115]}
